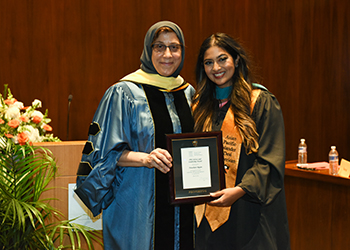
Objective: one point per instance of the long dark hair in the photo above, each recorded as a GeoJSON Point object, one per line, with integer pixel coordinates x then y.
{"type": "Point", "coordinates": [204, 101]}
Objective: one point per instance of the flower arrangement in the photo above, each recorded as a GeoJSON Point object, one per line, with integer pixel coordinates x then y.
{"type": "Point", "coordinates": [23, 124]}
{"type": "Point", "coordinates": [27, 221]}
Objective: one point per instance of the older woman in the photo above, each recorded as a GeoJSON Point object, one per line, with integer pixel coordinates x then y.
{"type": "Point", "coordinates": [124, 163]}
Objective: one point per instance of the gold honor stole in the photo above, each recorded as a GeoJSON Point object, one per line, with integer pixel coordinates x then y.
{"type": "Point", "coordinates": [165, 84]}
{"type": "Point", "coordinates": [232, 141]}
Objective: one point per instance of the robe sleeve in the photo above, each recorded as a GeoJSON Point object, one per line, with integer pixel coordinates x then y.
{"type": "Point", "coordinates": [263, 181]}
{"type": "Point", "coordinates": [109, 136]}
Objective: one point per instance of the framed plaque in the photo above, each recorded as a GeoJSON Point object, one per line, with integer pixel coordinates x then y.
{"type": "Point", "coordinates": [198, 166]}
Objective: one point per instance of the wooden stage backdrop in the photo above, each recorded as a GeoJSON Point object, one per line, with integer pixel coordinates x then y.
{"type": "Point", "coordinates": [51, 49]}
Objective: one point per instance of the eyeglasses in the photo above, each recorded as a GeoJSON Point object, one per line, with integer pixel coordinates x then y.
{"type": "Point", "coordinates": [160, 48]}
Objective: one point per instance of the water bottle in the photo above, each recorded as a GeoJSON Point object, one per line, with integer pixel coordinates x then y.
{"type": "Point", "coordinates": [302, 154]}
{"type": "Point", "coordinates": [333, 161]}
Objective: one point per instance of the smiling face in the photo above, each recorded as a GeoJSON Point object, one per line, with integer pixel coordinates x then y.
{"type": "Point", "coordinates": [219, 66]}
{"type": "Point", "coordinates": [166, 62]}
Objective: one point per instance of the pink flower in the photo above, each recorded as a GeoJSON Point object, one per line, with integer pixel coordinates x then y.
{"type": "Point", "coordinates": [37, 119]}
{"type": "Point", "coordinates": [9, 102]}
{"type": "Point", "coordinates": [13, 123]}
{"type": "Point", "coordinates": [9, 136]}
{"type": "Point", "coordinates": [22, 138]}
{"type": "Point", "coordinates": [47, 127]}
{"type": "Point", "coordinates": [2, 121]}
{"type": "Point", "coordinates": [24, 118]}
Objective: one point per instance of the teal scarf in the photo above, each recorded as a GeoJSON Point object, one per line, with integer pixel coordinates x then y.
{"type": "Point", "coordinates": [222, 93]}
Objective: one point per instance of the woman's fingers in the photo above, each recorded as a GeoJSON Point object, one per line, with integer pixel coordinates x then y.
{"type": "Point", "coordinates": [160, 159]}
{"type": "Point", "coordinates": [227, 196]}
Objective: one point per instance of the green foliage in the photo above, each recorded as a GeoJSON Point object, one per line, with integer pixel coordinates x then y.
{"type": "Point", "coordinates": [27, 221]}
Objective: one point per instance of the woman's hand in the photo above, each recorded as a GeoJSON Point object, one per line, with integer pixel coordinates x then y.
{"type": "Point", "coordinates": [226, 197]}
{"type": "Point", "coordinates": [158, 158]}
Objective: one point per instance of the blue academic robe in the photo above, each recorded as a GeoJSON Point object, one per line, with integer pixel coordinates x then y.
{"type": "Point", "coordinates": [126, 195]}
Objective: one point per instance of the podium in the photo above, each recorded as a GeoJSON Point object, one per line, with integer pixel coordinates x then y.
{"type": "Point", "coordinates": [67, 155]}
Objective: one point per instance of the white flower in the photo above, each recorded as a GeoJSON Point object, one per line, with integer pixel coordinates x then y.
{"type": "Point", "coordinates": [12, 113]}
{"type": "Point", "coordinates": [36, 103]}
{"type": "Point", "coordinates": [37, 113]}
{"type": "Point", "coordinates": [33, 133]}
{"type": "Point", "coordinates": [19, 105]}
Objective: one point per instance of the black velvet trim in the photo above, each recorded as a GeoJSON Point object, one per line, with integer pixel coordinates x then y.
{"type": "Point", "coordinates": [160, 114]}
{"type": "Point", "coordinates": [164, 222]}
{"type": "Point", "coordinates": [94, 128]}
{"type": "Point", "coordinates": [183, 111]}
{"type": "Point", "coordinates": [88, 148]}
{"type": "Point", "coordinates": [84, 169]}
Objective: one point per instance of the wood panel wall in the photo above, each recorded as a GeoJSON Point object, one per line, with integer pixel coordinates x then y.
{"type": "Point", "coordinates": [50, 49]}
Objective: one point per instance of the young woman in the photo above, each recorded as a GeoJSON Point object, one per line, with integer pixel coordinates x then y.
{"type": "Point", "coordinates": [124, 163]}
{"type": "Point", "coordinates": [250, 213]}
